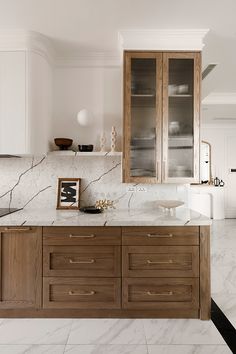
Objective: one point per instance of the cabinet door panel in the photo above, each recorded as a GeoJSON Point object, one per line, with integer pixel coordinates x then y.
{"type": "Point", "coordinates": [82, 293]}
{"type": "Point", "coordinates": [21, 267]}
{"type": "Point", "coordinates": [181, 97]}
{"type": "Point", "coordinates": [142, 123]}
{"type": "Point", "coordinates": [80, 261]}
{"type": "Point", "coordinates": [160, 261]}
{"type": "Point", "coordinates": [155, 293]}
{"type": "Point", "coordinates": [13, 103]}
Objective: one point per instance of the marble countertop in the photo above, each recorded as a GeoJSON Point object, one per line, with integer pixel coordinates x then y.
{"type": "Point", "coordinates": [120, 217]}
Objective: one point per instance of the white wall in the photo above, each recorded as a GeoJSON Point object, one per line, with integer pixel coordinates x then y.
{"type": "Point", "coordinates": [222, 138]}
{"type": "Point", "coordinates": [96, 88]}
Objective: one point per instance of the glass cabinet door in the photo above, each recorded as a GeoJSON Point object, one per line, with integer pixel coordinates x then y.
{"type": "Point", "coordinates": [142, 125]}
{"type": "Point", "coordinates": [181, 86]}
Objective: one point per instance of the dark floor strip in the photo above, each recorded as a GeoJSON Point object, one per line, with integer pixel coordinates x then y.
{"type": "Point", "coordinates": [224, 326]}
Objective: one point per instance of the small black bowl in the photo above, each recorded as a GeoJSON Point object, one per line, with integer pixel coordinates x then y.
{"type": "Point", "coordinates": [85, 148]}
{"type": "Point", "coordinates": [91, 210]}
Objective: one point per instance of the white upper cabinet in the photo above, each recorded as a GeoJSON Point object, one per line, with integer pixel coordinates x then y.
{"type": "Point", "coordinates": [25, 94]}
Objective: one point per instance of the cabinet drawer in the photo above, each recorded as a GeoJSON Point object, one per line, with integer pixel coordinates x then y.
{"type": "Point", "coordinates": [81, 293]}
{"type": "Point", "coordinates": [160, 261]}
{"type": "Point", "coordinates": [158, 293]}
{"type": "Point", "coordinates": [161, 235]}
{"type": "Point", "coordinates": [81, 235]}
{"type": "Point", "coordinates": [91, 261]}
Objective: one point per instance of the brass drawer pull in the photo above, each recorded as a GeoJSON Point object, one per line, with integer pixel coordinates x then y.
{"type": "Point", "coordinates": [160, 262]}
{"type": "Point", "coordinates": [82, 236]}
{"type": "Point", "coordinates": [82, 262]}
{"type": "Point", "coordinates": [158, 235]}
{"type": "Point", "coordinates": [90, 293]}
{"type": "Point", "coordinates": [17, 229]}
{"type": "Point", "coordinates": [151, 293]}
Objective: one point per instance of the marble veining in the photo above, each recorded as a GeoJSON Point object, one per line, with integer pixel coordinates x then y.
{"type": "Point", "coordinates": [31, 182]}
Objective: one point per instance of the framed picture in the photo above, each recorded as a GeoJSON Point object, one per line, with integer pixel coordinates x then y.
{"type": "Point", "coordinates": [68, 196]}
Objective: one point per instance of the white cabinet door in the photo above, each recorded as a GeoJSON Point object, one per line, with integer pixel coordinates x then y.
{"type": "Point", "coordinates": [13, 123]}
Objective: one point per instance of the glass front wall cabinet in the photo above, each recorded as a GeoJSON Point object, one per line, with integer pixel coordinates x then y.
{"type": "Point", "coordinates": [161, 117]}
{"type": "Point", "coordinates": [181, 108]}
{"type": "Point", "coordinates": [142, 124]}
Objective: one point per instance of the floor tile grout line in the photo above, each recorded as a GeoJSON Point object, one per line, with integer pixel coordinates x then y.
{"type": "Point", "coordinates": [72, 321]}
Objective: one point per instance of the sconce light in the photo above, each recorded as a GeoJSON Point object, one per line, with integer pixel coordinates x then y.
{"type": "Point", "coordinates": [84, 117]}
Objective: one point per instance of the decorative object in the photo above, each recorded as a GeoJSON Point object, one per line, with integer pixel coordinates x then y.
{"type": "Point", "coordinates": [68, 193]}
{"type": "Point", "coordinates": [84, 117]}
{"type": "Point", "coordinates": [216, 182]}
{"type": "Point", "coordinates": [222, 183]}
{"type": "Point", "coordinates": [113, 139]}
{"type": "Point", "coordinates": [85, 148]}
{"type": "Point", "coordinates": [91, 210]}
{"type": "Point", "coordinates": [63, 143]}
{"type": "Point", "coordinates": [169, 204]}
{"type": "Point", "coordinates": [174, 128]}
{"type": "Point", "coordinates": [102, 142]}
{"type": "Point", "coordinates": [104, 204]}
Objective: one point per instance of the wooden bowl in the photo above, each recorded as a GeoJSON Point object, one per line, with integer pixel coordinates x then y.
{"type": "Point", "coordinates": [63, 143]}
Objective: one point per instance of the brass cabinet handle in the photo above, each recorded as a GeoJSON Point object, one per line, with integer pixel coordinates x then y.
{"type": "Point", "coordinates": [160, 262]}
{"type": "Point", "coordinates": [74, 293]}
{"type": "Point", "coordinates": [152, 293]}
{"type": "Point", "coordinates": [159, 235]}
{"type": "Point", "coordinates": [82, 236]}
{"type": "Point", "coordinates": [90, 261]}
{"type": "Point", "coordinates": [17, 229]}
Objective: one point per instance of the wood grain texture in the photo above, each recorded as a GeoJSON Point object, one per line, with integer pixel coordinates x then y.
{"type": "Point", "coordinates": [100, 313]}
{"type": "Point", "coordinates": [205, 276]}
{"type": "Point", "coordinates": [159, 293]}
{"type": "Point", "coordinates": [21, 267]}
{"type": "Point", "coordinates": [160, 235]}
{"type": "Point", "coordinates": [128, 56]}
{"type": "Point", "coordinates": [196, 56]}
{"type": "Point", "coordinates": [160, 261]}
{"type": "Point", "coordinates": [90, 293]}
{"type": "Point", "coordinates": [81, 261]}
{"type": "Point", "coordinates": [63, 235]}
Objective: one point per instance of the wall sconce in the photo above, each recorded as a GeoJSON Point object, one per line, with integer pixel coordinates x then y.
{"type": "Point", "coordinates": [84, 117]}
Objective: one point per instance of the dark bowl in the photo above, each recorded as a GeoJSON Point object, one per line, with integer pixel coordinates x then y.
{"type": "Point", "coordinates": [85, 148]}
{"type": "Point", "coordinates": [63, 143]}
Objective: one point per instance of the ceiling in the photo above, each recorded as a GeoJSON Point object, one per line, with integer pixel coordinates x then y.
{"type": "Point", "coordinates": [79, 26]}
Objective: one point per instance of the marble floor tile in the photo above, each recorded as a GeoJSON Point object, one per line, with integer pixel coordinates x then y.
{"type": "Point", "coordinates": [189, 349]}
{"type": "Point", "coordinates": [106, 349]}
{"type": "Point", "coordinates": [32, 349]}
{"type": "Point", "coordinates": [180, 331]}
{"type": "Point", "coordinates": [34, 331]}
{"type": "Point", "coordinates": [223, 279]}
{"type": "Point", "coordinates": [107, 331]}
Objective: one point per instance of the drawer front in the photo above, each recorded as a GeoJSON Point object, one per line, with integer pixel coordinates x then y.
{"type": "Point", "coordinates": [160, 261]}
{"type": "Point", "coordinates": [72, 261]}
{"type": "Point", "coordinates": [81, 293]}
{"type": "Point", "coordinates": [81, 235]}
{"type": "Point", "coordinates": [157, 293]}
{"type": "Point", "coordinates": [161, 235]}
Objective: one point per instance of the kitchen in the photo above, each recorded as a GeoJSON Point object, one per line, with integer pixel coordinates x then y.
{"type": "Point", "coordinates": [56, 87]}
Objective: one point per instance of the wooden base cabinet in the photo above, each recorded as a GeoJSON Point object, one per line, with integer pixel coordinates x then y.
{"type": "Point", "coordinates": [123, 272]}
{"type": "Point", "coordinates": [21, 267]}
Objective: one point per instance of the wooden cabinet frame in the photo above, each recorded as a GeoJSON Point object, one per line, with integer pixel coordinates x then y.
{"type": "Point", "coordinates": [161, 116]}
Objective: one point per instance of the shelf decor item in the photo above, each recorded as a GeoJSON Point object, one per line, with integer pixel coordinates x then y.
{"type": "Point", "coordinates": [63, 143]}
{"type": "Point", "coordinates": [113, 139]}
{"type": "Point", "coordinates": [68, 196]}
{"type": "Point", "coordinates": [102, 142]}
{"type": "Point", "coordinates": [104, 204]}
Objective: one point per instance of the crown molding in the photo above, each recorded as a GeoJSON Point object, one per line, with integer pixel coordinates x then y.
{"type": "Point", "coordinates": [166, 39]}
{"type": "Point", "coordinates": [24, 40]}
{"type": "Point", "coordinates": [90, 59]}
{"type": "Point", "coordinates": [220, 98]}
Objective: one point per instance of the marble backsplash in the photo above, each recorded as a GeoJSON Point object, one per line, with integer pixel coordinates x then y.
{"type": "Point", "coordinates": [31, 182]}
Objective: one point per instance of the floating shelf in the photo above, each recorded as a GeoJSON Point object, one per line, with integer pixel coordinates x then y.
{"type": "Point", "coordinates": [180, 95]}
{"type": "Point", "coordinates": [85, 154]}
